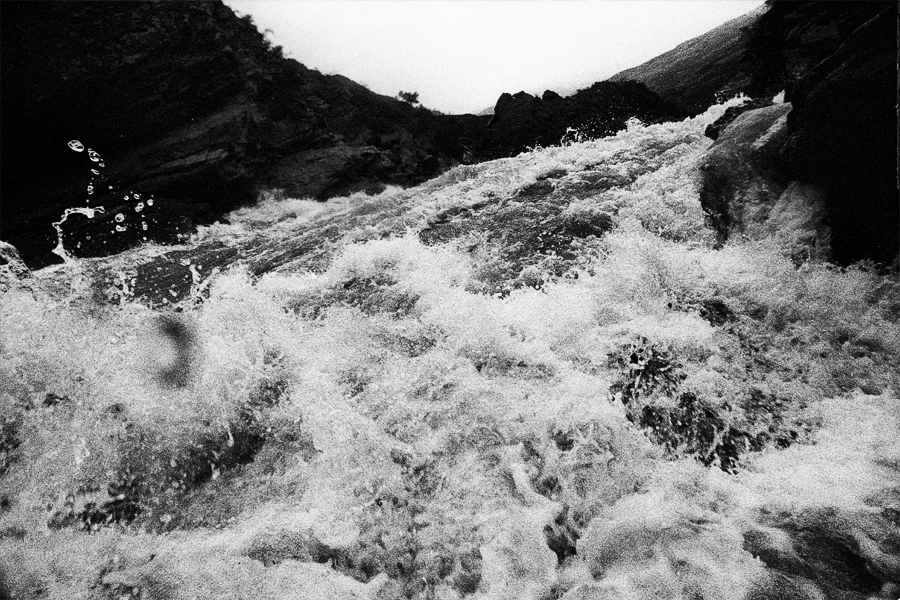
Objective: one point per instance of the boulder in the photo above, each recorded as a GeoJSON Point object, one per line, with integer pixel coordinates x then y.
{"type": "Point", "coordinates": [731, 113]}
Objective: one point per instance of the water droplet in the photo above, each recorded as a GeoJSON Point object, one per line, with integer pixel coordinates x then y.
{"type": "Point", "coordinates": [144, 225]}
{"type": "Point", "coordinates": [120, 217]}
{"type": "Point", "coordinates": [150, 202]}
{"type": "Point", "coordinates": [127, 198]}
{"type": "Point", "coordinates": [93, 155]}
{"type": "Point", "coordinates": [110, 187]}
{"type": "Point", "coordinates": [136, 196]}
{"type": "Point", "coordinates": [139, 207]}
{"type": "Point", "coordinates": [76, 146]}
{"type": "Point", "coordinates": [95, 171]}
{"type": "Point", "coordinates": [102, 164]}
{"type": "Point", "coordinates": [121, 227]}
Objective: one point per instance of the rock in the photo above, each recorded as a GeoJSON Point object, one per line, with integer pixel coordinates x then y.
{"type": "Point", "coordinates": [523, 121]}
{"type": "Point", "coordinates": [789, 38]}
{"type": "Point", "coordinates": [13, 272]}
{"type": "Point", "coordinates": [325, 172]}
{"type": "Point", "coordinates": [843, 138]}
{"type": "Point", "coordinates": [190, 103]}
{"type": "Point", "coordinates": [741, 172]}
{"type": "Point", "coordinates": [838, 62]}
{"type": "Point", "coordinates": [713, 131]}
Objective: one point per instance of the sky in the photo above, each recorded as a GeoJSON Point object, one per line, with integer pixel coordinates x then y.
{"type": "Point", "coordinates": [460, 55]}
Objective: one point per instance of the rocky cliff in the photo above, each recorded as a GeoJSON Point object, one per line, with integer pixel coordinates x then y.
{"type": "Point", "coordinates": [837, 140]}
{"type": "Point", "coordinates": [192, 104]}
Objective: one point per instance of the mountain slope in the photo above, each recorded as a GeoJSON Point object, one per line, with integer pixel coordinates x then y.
{"type": "Point", "coordinates": [190, 103]}
{"type": "Point", "coordinates": [693, 74]}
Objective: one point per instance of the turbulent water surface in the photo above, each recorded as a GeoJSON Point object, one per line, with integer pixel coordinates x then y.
{"type": "Point", "coordinates": [531, 378]}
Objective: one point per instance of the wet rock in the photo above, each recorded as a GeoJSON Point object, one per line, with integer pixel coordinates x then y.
{"type": "Point", "coordinates": [843, 138]}
{"type": "Point", "coordinates": [713, 131]}
{"type": "Point", "coordinates": [14, 273]}
{"type": "Point", "coordinates": [741, 172]}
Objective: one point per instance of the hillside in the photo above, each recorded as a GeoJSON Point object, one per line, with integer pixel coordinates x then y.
{"type": "Point", "coordinates": [701, 70]}
{"type": "Point", "coordinates": [536, 377]}
{"type": "Point", "coordinates": [189, 102]}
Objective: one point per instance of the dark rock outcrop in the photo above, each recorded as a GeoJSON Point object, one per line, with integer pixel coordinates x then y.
{"type": "Point", "coordinates": [522, 121]}
{"type": "Point", "coordinates": [742, 175]}
{"type": "Point", "coordinates": [838, 144]}
{"type": "Point", "coordinates": [731, 113]}
{"type": "Point", "coordinates": [191, 103]}
{"type": "Point", "coordinates": [843, 138]}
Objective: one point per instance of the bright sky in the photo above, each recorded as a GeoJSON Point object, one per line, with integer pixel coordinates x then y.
{"type": "Point", "coordinates": [460, 55]}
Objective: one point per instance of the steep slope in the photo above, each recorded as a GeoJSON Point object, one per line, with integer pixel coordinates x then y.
{"type": "Point", "coordinates": [529, 378]}
{"type": "Point", "coordinates": [697, 72]}
{"type": "Point", "coordinates": [190, 103]}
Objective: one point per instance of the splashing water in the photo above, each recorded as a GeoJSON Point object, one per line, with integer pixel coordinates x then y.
{"type": "Point", "coordinates": [94, 183]}
{"type": "Point", "coordinates": [60, 249]}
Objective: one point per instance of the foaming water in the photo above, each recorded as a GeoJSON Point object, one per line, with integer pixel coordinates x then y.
{"type": "Point", "coordinates": [382, 410]}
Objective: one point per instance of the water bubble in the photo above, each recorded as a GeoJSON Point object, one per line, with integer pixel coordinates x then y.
{"type": "Point", "coordinates": [76, 146]}
{"type": "Point", "coordinates": [120, 217]}
{"type": "Point", "coordinates": [150, 202]}
{"type": "Point", "coordinates": [121, 227]}
{"type": "Point", "coordinates": [139, 207]}
{"type": "Point", "coordinates": [93, 155]}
